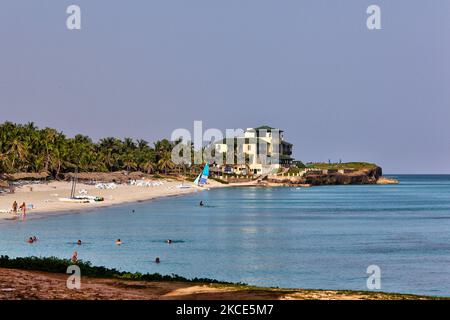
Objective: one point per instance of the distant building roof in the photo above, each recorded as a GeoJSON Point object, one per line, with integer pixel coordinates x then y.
{"type": "Point", "coordinates": [267, 128]}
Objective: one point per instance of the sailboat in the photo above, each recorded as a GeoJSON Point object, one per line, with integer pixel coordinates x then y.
{"type": "Point", "coordinates": [79, 199]}
{"type": "Point", "coordinates": [72, 197]}
{"type": "Point", "coordinates": [202, 177]}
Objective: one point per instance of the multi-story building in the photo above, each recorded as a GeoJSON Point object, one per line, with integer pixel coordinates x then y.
{"type": "Point", "coordinates": [264, 150]}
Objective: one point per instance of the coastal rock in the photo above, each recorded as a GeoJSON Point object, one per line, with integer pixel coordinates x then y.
{"type": "Point", "coordinates": [363, 176]}
{"type": "Point", "coordinates": [287, 181]}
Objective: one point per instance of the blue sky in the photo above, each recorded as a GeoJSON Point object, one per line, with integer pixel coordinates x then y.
{"type": "Point", "coordinates": [144, 68]}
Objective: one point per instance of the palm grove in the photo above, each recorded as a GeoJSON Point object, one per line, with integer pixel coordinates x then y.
{"type": "Point", "coordinates": [26, 148]}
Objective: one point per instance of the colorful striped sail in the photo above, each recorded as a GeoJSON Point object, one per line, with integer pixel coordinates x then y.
{"type": "Point", "coordinates": [202, 177]}
{"type": "Point", "coordinates": [197, 179]}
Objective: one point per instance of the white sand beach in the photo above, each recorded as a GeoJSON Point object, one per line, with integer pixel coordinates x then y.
{"type": "Point", "coordinates": [45, 197]}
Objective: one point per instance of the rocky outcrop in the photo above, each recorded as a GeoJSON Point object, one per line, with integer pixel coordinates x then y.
{"type": "Point", "coordinates": [362, 176]}
{"type": "Point", "coordinates": [285, 181]}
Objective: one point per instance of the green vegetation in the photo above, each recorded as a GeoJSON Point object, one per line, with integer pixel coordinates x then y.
{"type": "Point", "coordinates": [56, 265]}
{"type": "Point", "coordinates": [299, 164]}
{"type": "Point", "coordinates": [26, 148]}
{"type": "Point", "coordinates": [294, 170]}
{"type": "Point", "coordinates": [341, 166]}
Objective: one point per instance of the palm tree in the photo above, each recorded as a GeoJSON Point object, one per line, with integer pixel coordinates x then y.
{"type": "Point", "coordinates": [48, 137]}
{"type": "Point", "coordinates": [17, 152]}
{"type": "Point", "coordinates": [26, 148]}
{"type": "Point", "coordinates": [110, 147]}
{"type": "Point", "coordinates": [142, 144]}
{"type": "Point", "coordinates": [165, 163]}
{"type": "Point", "coordinates": [161, 147]}
{"type": "Point", "coordinates": [128, 162]}
{"type": "Point", "coordinates": [128, 144]}
{"type": "Point", "coordinates": [4, 162]}
{"type": "Point", "coordinates": [149, 166]}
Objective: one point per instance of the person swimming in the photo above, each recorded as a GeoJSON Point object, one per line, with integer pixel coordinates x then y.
{"type": "Point", "coordinates": [118, 242]}
{"type": "Point", "coordinates": [157, 260]}
{"type": "Point", "coordinates": [30, 240]}
{"type": "Point", "coordinates": [201, 203]}
{"type": "Point", "coordinates": [79, 242]}
{"type": "Point", "coordinates": [35, 238]}
{"type": "Point", "coordinates": [169, 241]}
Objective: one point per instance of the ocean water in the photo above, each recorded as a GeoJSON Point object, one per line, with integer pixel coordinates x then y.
{"type": "Point", "coordinates": [320, 237]}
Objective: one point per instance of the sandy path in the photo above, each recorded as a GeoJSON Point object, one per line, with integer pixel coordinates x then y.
{"type": "Point", "coordinates": [23, 284]}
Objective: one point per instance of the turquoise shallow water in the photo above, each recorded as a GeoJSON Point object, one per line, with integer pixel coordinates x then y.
{"type": "Point", "coordinates": [320, 237]}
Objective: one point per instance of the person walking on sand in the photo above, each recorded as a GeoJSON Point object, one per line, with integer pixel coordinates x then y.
{"type": "Point", "coordinates": [23, 207]}
{"type": "Point", "coordinates": [14, 207]}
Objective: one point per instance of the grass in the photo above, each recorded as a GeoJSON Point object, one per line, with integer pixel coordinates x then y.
{"type": "Point", "coordinates": [294, 170]}
{"type": "Point", "coordinates": [342, 166]}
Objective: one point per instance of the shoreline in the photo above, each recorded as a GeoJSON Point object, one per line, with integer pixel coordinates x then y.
{"type": "Point", "coordinates": [84, 210]}
{"type": "Point", "coordinates": [45, 197]}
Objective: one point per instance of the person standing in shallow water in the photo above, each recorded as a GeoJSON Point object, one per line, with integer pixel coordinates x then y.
{"type": "Point", "coordinates": [23, 207]}
{"type": "Point", "coordinates": [75, 257]}
{"type": "Point", "coordinates": [14, 207]}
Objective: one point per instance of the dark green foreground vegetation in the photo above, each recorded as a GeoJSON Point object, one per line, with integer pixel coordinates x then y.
{"type": "Point", "coordinates": [56, 265]}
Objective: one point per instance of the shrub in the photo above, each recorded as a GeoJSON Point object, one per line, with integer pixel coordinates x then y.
{"type": "Point", "coordinates": [57, 265]}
